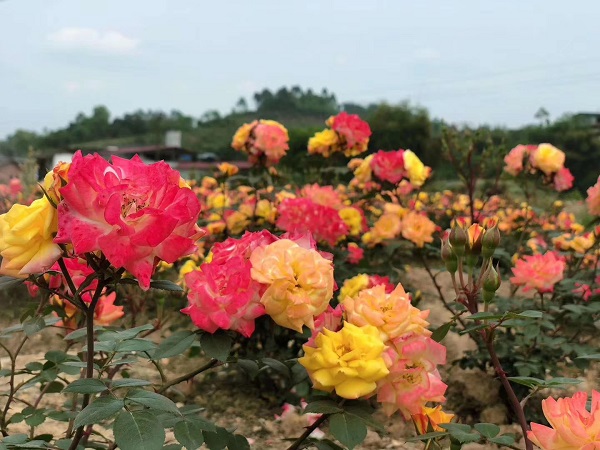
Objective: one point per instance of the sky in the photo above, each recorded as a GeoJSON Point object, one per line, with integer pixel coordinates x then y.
{"type": "Point", "coordinates": [467, 61]}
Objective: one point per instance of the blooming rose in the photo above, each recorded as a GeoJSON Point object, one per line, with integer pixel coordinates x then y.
{"type": "Point", "coordinates": [430, 419]}
{"type": "Point", "coordinates": [514, 158]}
{"type": "Point", "coordinates": [389, 166]}
{"type": "Point", "coordinates": [563, 180]}
{"type": "Point", "coordinates": [355, 253]}
{"type": "Point", "coordinates": [540, 272]}
{"type": "Point", "coordinates": [223, 295]}
{"type": "Point", "coordinates": [262, 138]}
{"type": "Point", "coordinates": [391, 313]}
{"type": "Point", "coordinates": [417, 171]}
{"type": "Point", "coordinates": [300, 282]}
{"type": "Point", "coordinates": [348, 361]}
{"type": "Point", "coordinates": [132, 212]}
{"type": "Point", "coordinates": [323, 143]}
{"type": "Point", "coordinates": [593, 199]}
{"type": "Point", "coordinates": [354, 132]}
{"type": "Point", "coordinates": [322, 195]}
{"type": "Point", "coordinates": [330, 319]}
{"type": "Point", "coordinates": [26, 234]}
{"type": "Point", "coordinates": [354, 218]}
{"type": "Point", "coordinates": [417, 228]}
{"type": "Point", "coordinates": [547, 158]}
{"type": "Point", "coordinates": [414, 379]}
{"type": "Point", "coordinates": [572, 426]}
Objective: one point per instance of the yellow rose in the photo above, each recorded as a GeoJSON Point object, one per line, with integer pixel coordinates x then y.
{"type": "Point", "coordinates": [300, 282]}
{"type": "Point", "coordinates": [348, 361]}
{"type": "Point", "coordinates": [353, 218]}
{"type": "Point", "coordinates": [353, 286]}
{"type": "Point", "coordinates": [417, 171]}
{"type": "Point", "coordinates": [55, 180]}
{"type": "Point", "coordinates": [236, 222]}
{"type": "Point", "coordinates": [26, 234]}
{"type": "Point", "coordinates": [228, 169]}
{"type": "Point", "coordinates": [241, 136]}
{"type": "Point", "coordinates": [187, 267]}
{"type": "Point", "coordinates": [431, 418]}
{"type": "Point", "coordinates": [265, 210]}
{"type": "Point", "coordinates": [217, 200]}
{"type": "Point", "coordinates": [547, 158]}
{"type": "Point", "coordinates": [323, 142]}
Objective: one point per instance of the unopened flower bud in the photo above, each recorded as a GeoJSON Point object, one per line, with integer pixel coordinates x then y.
{"type": "Point", "coordinates": [488, 297]}
{"type": "Point", "coordinates": [490, 241]}
{"type": "Point", "coordinates": [458, 239]}
{"type": "Point", "coordinates": [491, 280]}
{"type": "Point", "coordinates": [475, 236]}
{"type": "Point", "coordinates": [449, 257]}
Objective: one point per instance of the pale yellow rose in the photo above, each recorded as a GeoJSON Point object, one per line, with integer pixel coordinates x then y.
{"type": "Point", "coordinates": [323, 143]}
{"type": "Point", "coordinates": [417, 171]}
{"type": "Point", "coordinates": [353, 218]}
{"type": "Point", "coordinates": [547, 158]}
{"type": "Point", "coordinates": [352, 286]}
{"type": "Point", "coordinates": [26, 234]}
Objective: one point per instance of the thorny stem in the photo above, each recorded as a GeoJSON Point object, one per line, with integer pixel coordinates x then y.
{"type": "Point", "coordinates": [212, 363]}
{"type": "Point", "coordinates": [89, 370]}
{"type": "Point", "coordinates": [488, 337]}
{"type": "Point", "coordinates": [308, 431]}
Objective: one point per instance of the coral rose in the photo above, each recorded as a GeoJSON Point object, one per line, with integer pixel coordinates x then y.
{"type": "Point", "coordinates": [348, 361]}
{"type": "Point", "coordinates": [514, 159]}
{"type": "Point", "coordinates": [26, 234]}
{"type": "Point", "coordinates": [539, 272]}
{"type": "Point", "coordinates": [417, 228]}
{"type": "Point", "coordinates": [572, 426]}
{"type": "Point", "coordinates": [300, 282]}
{"type": "Point", "coordinates": [563, 180]}
{"type": "Point", "coordinates": [134, 213]}
{"type": "Point", "coordinates": [593, 199]}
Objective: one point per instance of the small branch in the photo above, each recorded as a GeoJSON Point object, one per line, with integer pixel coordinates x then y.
{"type": "Point", "coordinates": [212, 363]}
{"type": "Point", "coordinates": [308, 431]}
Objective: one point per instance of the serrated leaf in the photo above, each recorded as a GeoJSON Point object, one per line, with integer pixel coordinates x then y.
{"type": "Point", "coordinates": [531, 314]}
{"type": "Point", "coordinates": [427, 436]}
{"type": "Point", "coordinates": [128, 382]}
{"type": "Point", "coordinates": [135, 345]}
{"type": "Point", "coordinates": [216, 440]}
{"type": "Point", "coordinates": [364, 414]}
{"type": "Point", "coordinates": [348, 429]}
{"type": "Point", "coordinates": [277, 366]}
{"type": "Point", "coordinates": [238, 442]}
{"type": "Point", "coordinates": [440, 332]}
{"type": "Point", "coordinates": [561, 381]}
{"type": "Point", "coordinates": [249, 366]}
{"type": "Point", "coordinates": [505, 439]}
{"type": "Point", "coordinates": [100, 409]}
{"type": "Point", "coordinates": [189, 434]}
{"type": "Point", "coordinates": [33, 325]}
{"type": "Point", "coordinates": [489, 430]}
{"type": "Point", "coordinates": [80, 333]}
{"type": "Point", "coordinates": [174, 345]}
{"type": "Point", "coordinates": [322, 407]}
{"type": "Point", "coordinates": [217, 345]}
{"type": "Point", "coordinates": [592, 356]}
{"type": "Point", "coordinates": [465, 437]}
{"type": "Point", "coordinates": [165, 285]}
{"type": "Point", "coordinates": [153, 401]}
{"type": "Point", "coordinates": [86, 386]}
{"type": "Point", "coordinates": [138, 430]}
{"type": "Point", "coordinates": [527, 381]}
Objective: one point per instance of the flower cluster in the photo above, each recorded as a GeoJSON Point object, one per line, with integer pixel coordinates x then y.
{"type": "Point", "coordinates": [544, 158]}
{"type": "Point", "coordinates": [263, 140]}
{"type": "Point", "coordinates": [397, 165]}
{"type": "Point", "coordinates": [286, 278]}
{"type": "Point", "coordinates": [347, 133]}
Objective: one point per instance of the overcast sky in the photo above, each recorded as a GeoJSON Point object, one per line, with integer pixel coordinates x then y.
{"type": "Point", "coordinates": [470, 61]}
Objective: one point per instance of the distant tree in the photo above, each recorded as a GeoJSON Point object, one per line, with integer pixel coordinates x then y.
{"type": "Point", "coordinates": [18, 143]}
{"type": "Point", "coordinates": [210, 115]}
{"type": "Point", "coordinates": [241, 106]}
{"type": "Point", "coordinates": [543, 116]}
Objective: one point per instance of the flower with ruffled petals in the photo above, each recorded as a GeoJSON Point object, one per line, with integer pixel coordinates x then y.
{"type": "Point", "coordinates": [354, 132]}
{"type": "Point", "coordinates": [348, 361]}
{"type": "Point", "coordinates": [26, 234]}
{"type": "Point", "coordinates": [355, 253]}
{"type": "Point", "coordinates": [547, 158]}
{"type": "Point", "coordinates": [323, 143]}
{"type": "Point", "coordinates": [563, 180]}
{"type": "Point", "coordinates": [593, 199]}
{"type": "Point", "coordinates": [330, 319]}
{"type": "Point", "coordinates": [572, 426]}
{"type": "Point", "coordinates": [263, 138]}
{"type": "Point", "coordinates": [413, 380]}
{"type": "Point", "coordinates": [224, 296]}
{"type": "Point", "coordinates": [392, 313]}
{"type": "Point", "coordinates": [539, 272]}
{"type": "Point", "coordinates": [134, 213]}
{"type": "Point", "coordinates": [417, 228]}
{"type": "Point", "coordinates": [389, 166]}
{"type": "Point", "coordinates": [322, 195]}
{"type": "Point", "coordinates": [416, 170]}
{"type": "Point", "coordinates": [430, 419]}
{"type": "Point", "coordinates": [300, 282]}
{"type": "Point", "coordinates": [354, 218]}
{"type": "Point", "coordinates": [514, 159]}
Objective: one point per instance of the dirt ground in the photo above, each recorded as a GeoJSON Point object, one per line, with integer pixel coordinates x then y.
{"type": "Point", "coordinates": [236, 403]}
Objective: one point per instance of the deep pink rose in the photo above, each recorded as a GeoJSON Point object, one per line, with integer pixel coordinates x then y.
{"type": "Point", "coordinates": [389, 166]}
{"type": "Point", "coordinates": [134, 213]}
{"type": "Point", "coordinates": [563, 180]}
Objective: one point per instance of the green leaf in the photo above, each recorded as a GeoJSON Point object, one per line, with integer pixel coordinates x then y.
{"type": "Point", "coordinates": [527, 381]}
{"type": "Point", "coordinates": [440, 332]}
{"type": "Point", "coordinates": [189, 434]}
{"type": "Point", "coordinates": [135, 345]}
{"type": "Point", "coordinates": [9, 282]}
{"type": "Point", "coordinates": [592, 356]}
{"type": "Point", "coordinates": [165, 285]}
{"type": "Point", "coordinates": [489, 430]}
{"type": "Point", "coordinates": [100, 409]}
{"type": "Point", "coordinates": [153, 401]}
{"type": "Point", "coordinates": [427, 436]}
{"type": "Point", "coordinates": [80, 333]}
{"type": "Point", "coordinates": [238, 442]}
{"type": "Point", "coordinates": [456, 427]}
{"type": "Point", "coordinates": [322, 407]}
{"type": "Point", "coordinates": [485, 316]}
{"type": "Point", "coordinates": [128, 382]}
{"type": "Point", "coordinates": [86, 386]}
{"type": "Point", "coordinates": [138, 430]}
{"type": "Point", "coordinates": [505, 439]}
{"type": "Point", "coordinates": [174, 345]}
{"type": "Point", "coordinates": [249, 366]}
{"type": "Point", "coordinates": [465, 437]}
{"type": "Point", "coordinates": [348, 429]}
{"type": "Point", "coordinates": [277, 366]}
{"type": "Point", "coordinates": [216, 440]}
{"type": "Point", "coordinates": [33, 325]}
{"type": "Point", "coordinates": [561, 381]}
{"type": "Point", "coordinates": [531, 314]}
{"type": "Point", "coordinates": [216, 345]}
{"type": "Point", "coordinates": [365, 414]}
